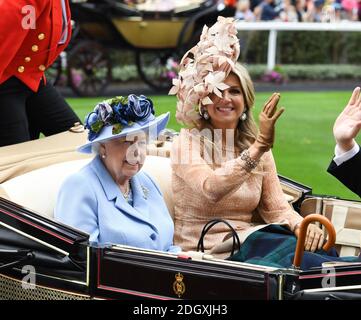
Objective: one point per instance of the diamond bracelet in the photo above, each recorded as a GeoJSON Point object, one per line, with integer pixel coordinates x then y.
{"type": "Point", "coordinates": [250, 163]}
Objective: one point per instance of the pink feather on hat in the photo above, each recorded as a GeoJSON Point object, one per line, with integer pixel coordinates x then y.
{"type": "Point", "coordinates": [204, 68]}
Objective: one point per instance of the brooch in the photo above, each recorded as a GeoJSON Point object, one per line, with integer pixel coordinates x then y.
{"type": "Point", "coordinates": [145, 192]}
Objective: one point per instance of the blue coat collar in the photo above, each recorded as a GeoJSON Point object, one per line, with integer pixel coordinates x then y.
{"type": "Point", "coordinates": [140, 208]}
{"type": "Point", "coordinates": [109, 186]}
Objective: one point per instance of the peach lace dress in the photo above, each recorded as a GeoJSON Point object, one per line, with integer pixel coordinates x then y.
{"type": "Point", "coordinates": [203, 190]}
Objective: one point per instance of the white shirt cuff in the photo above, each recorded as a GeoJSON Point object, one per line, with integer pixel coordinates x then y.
{"type": "Point", "coordinates": [341, 157]}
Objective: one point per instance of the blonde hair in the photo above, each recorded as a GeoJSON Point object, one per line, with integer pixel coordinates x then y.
{"type": "Point", "coordinates": [246, 131]}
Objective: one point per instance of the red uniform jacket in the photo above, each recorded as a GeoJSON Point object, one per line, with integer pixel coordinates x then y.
{"type": "Point", "coordinates": [24, 52]}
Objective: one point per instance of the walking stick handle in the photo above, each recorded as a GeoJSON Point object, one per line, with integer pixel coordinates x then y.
{"type": "Point", "coordinates": [300, 247]}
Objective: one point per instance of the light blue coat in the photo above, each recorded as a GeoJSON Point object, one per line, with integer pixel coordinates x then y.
{"type": "Point", "coordinates": [91, 201]}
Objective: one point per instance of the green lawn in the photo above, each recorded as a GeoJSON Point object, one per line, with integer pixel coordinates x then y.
{"type": "Point", "coordinates": [304, 142]}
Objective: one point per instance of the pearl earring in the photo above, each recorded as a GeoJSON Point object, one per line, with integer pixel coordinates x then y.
{"type": "Point", "coordinates": [243, 116]}
{"type": "Point", "coordinates": [103, 156]}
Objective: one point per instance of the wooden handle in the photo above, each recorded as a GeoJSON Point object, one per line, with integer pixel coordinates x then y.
{"type": "Point", "coordinates": [300, 247]}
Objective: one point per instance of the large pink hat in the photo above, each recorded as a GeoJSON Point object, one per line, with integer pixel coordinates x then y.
{"type": "Point", "coordinates": [204, 68]}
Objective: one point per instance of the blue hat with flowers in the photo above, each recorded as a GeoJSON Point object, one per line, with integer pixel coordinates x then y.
{"type": "Point", "coordinates": [121, 116]}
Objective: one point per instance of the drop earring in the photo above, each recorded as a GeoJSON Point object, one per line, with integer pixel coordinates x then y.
{"type": "Point", "coordinates": [205, 115]}
{"type": "Point", "coordinates": [243, 116]}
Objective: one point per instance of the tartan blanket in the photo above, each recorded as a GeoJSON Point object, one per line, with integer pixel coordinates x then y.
{"type": "Point", "coordinates": [275, 246]}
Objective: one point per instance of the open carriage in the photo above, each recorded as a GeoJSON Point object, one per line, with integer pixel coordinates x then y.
{"type": "Point", "coordinates": [41, 258]}
{"type": "Point", "coordinates": [158, 32]}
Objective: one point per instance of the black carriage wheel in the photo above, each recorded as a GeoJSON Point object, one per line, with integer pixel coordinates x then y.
{"type": "Point", "coordinates": [155, 68]}
{"type": "Point", "coordinates": [89, 69]}
{"type": "Point", "coordinates": [53, 72]}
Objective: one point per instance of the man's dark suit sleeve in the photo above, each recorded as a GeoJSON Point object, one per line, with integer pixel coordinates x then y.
{"type": "Point", "coordinates": [349, 173]}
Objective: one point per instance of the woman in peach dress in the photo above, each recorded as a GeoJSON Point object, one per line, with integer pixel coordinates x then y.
{"type": "Point", "coordinates": [222, 165]}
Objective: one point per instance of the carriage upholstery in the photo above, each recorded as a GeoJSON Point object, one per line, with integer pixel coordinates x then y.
{"type": "Point", "coordinates": [20, 158]}
{"type": "Point", "coordinates": [345, 216]}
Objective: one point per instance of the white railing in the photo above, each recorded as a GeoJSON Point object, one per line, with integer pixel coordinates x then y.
{"type": "Point", "coordinates": [273, 27]}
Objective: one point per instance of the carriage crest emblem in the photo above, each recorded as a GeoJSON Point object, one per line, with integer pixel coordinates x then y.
{"type": "Point", "coordinates": [178, 285]}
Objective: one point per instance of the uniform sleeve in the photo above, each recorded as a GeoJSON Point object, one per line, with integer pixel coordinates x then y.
{"type": "Point", "coordinates": [13, 27]}
{"type": "Point", "coordinates": [79, 209]}
{"type": "Point", "coordinates": [196, 172]}
{"type": "Point", "coordinates": [273, 205]}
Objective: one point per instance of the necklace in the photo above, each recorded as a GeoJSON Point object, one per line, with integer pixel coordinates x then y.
{"type": "Point", "coordinates": [127, 191]}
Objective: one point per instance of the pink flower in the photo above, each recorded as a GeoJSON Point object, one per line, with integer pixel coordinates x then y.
{"type": "Point", "coordinates": [272, 76]}
{"type": "Point", "coordinates": [176, 86]}
{"type": "Point", "coordinates": [214, 82]}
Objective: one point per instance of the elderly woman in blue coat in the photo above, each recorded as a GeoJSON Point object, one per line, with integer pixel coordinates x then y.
{"type": "Point", "coordinates": [110, 198]}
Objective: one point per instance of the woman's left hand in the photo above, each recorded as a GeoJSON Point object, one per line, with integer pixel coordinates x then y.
{"type": "Point", "coordinates": [267, 122]}
{"type": "Point", "coordinates": [314, 238]}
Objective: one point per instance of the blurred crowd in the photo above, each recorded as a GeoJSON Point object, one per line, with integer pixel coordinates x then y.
{"type": "Point", "coordinates": [299, 10]}
{"type": "Point", "coordinates": [281, 10]}
{"type": "Point", "coordinates": [161, 5]}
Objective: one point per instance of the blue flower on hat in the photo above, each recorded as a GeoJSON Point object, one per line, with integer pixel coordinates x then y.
{"type": "Point", "coordinates": [93, 125]}
{"type": "Point", "coordinates": [138, 108]}
{"type": "Point", "coordinates": [118, 112]}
